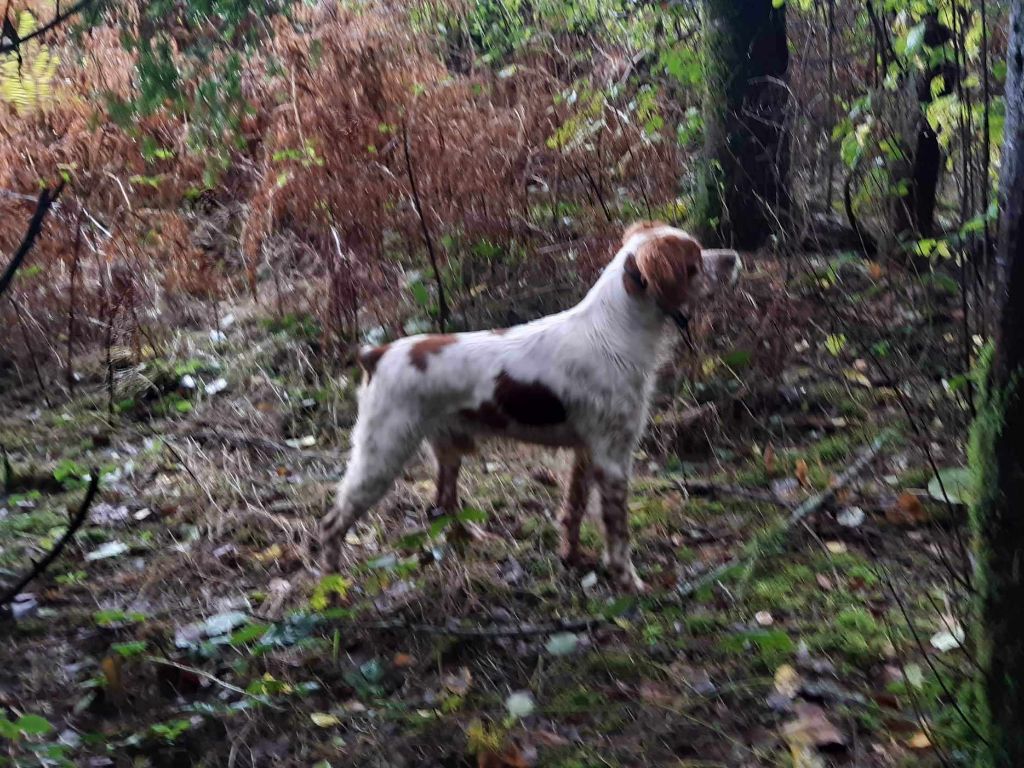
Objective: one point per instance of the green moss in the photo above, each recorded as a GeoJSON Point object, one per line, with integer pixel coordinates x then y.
{"type": "Point", "coordinates": [764, 649]}
{"type": "Point", "coordinates": [854, 634]}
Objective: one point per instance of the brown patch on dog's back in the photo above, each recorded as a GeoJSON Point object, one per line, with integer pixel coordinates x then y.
{"type": "Point", "coordinates": [531, 403]}
{"type": "Point", "coordinates": [369, 358]}
{"type": "Point", "coordinates": [499, 331]}
{"type": "Point", "coordinates": [430, 345]}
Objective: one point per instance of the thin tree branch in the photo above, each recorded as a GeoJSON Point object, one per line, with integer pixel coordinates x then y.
{"type": "Point", "coordinates": [75, 523]}
{"type": "Point", "coordinates": [15, 45]}
{"type": "Point", "coordinates": [35, 227]}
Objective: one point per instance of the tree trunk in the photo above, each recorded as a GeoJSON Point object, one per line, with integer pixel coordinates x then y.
{"type": "Point", "coordinates": [915, 213]}
{"type": "Point", "coordinates": [743, 195]}
{"type": "Point", "coordinates": [997, 452]}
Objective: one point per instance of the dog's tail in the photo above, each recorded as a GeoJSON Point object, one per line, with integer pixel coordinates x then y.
{"type": "Point", "coordinates": [369, 357]}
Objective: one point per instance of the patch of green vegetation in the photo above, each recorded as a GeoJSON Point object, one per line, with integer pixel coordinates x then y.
{"type": "Point", "coordinates": [299, 325]}
{"type": "Point", "coordinates": [590, 536]}
{"type": "Point", "coordinates": [645, 513]}
{"type": "Point", "coordinates": [618, 665]}
{"type": "Point", "coordinates": [854, 634]}
{"type": "Point", "coordinates": [575, 701]}
{"type": "Point", "coordinates": [699, 624]}
{"type": "Point", "coordinates": [791, 590]}
{"type": "Point", "coordinates": [834, 449]}
{"type": "Point", "coordinates": [764, 649]}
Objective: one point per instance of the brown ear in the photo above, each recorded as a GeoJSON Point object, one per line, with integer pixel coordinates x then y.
{"type": "Point", "coordinates": [631, 277]}
{"type": "Point", "coordinates": [640, 226]}
{"type": "Point", "coordinates": [667, 264]}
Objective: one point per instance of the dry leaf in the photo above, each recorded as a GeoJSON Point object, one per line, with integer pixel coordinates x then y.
{"type": "Point", "coordinates": [908, 510]}
{"type": "Point", "coordinates": [764, 619]}
{"type": "Point", "coordinates": [272, 552]}
{"type": "Point", "coordinates": [458, 682]}
{"type": "Point", "coordinates": [511, 757]}
{"type": "Point", "coordinates": [403, 660]}
{"type": "Point", "coordinates": [812, 728]}
{"type": "Point", "coordinates": [919, 740]}
{"type": "Point", "coordinates": [787, 681]}
{"type": "Point", "coordinates": [835, 547]}
{"type": "Point", "coordinates": [548, 739]}
{"type": "Point", "coordinates": [324, 719]}
{"type": "Point", "coordinates": [801, 472]}
{"type": "Point", "coordinates": [875, 270]}
{"type": "Point", "coordinates": [111, 666]}
{"type": "Point", "coordinates": [824, 582]}
{"type": "Point", "coordinates": [769, 459]}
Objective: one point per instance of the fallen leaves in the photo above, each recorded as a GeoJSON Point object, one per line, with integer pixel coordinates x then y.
{"type": "Point", "coordinates": [906, 511]}
{"type": "Point", "coordinates": [812, 728]}
{"type": "Point", "coordinates": [800, 471]}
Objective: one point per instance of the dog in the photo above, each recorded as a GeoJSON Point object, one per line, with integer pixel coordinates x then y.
{"type": "Point", "coordinates": [580, 379]}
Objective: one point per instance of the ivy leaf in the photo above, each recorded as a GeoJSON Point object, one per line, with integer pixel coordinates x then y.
{"type": "Point", "coordinates": [33, 725]}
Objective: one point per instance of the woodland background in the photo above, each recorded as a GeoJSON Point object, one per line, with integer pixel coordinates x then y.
{"type": "Point", "coordinates": [252, 190]}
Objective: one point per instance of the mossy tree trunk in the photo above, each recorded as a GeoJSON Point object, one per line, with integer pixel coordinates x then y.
{"type": "Point", "coordinates": [743, 195]}
{"type": "Point", "coordinates": [997, 452]}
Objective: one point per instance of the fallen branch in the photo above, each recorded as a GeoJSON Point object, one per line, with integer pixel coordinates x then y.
{"type": "Point", "coordinates": [577, 624]}
{"type": "Point", "coordinates": [709, 490]}
{"type": "Point", "coordinates": [212, 678]}
{"type": "Point", "coordinates": [74, 524]}
{"type": "Point", "coordinates": [46, 199]}
{"type": "Point", "coordinates": [243, 439]}
{"type": "Point", "coordinates": [809, 507]}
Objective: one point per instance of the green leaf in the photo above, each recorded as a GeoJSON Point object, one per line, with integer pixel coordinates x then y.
{"type": "Point", "coordinates": [9, 730]}
{"type": "Point", "coordinates": [127, 650]}
{"type": "Point", "coordinates": [957, 483]}
{"type": "Point", "coordinates": [738, 358]}
{"type": "Point", "coordinates": [834, 343]}
{"type": "Point", "coordinates": [562, 644]}
{"type": "Point", "coordinates": [420, 294]}
{"type": "Point", "coordinates": [33, 725]}
{"type": "Point", "coordinates": [248, 634]}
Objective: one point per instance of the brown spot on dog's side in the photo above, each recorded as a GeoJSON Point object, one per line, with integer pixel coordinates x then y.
{"type": "Point", "coordinates": [427, 346]}
{"type": "Point", "coordinates": [631, 277]}
{"type": "Point", "coordinates": [488, 414]}
{"type": "Point", "coordinates": [499, 331]}
{"type": "Point", "coordinates": [531, 403]}
{"type": "Point", "coordinates": [369, 358]}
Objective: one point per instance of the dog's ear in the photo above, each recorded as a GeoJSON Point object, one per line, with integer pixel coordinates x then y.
{"type": "Point", "coordinates": [667, 265]}
{"type": "Point", "coordinates": [631, 277]}
{"type": "Point", "coordinates": [640, 226]}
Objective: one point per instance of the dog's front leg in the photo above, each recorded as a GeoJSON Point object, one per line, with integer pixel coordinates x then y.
{"type": "Point", "coordinates": [613, 482]}
{"type": "Point", "coordinates": [574, 507]}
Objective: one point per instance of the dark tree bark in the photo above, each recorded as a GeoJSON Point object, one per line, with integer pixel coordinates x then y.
{"type": "Point", "coordinates": [915, 215]}
{"type": "Point", "coordinates": [997, 451]}
{"type": "Point", "coordinates": [744, 191]}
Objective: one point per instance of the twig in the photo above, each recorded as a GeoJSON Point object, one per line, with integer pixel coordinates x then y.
{"type": "Point", "coordinates": [75, 523]}
{"type": "Point", "coordinates": [15, 45]}
{"type": "Point", "coordinates": [714, 490]}
{"type": "Point", "coordinates": [35, 226]}
{"type": "Point", "coordinates": [212, 678]}
{"type": "Point", "coordinates": [442, 305]}
{"type": "Point", "coordinates": [810, 506]}
{"type": "Point", "coordinates": [577, 624]}
{"type": "Point", "coordinates": [237, 439]}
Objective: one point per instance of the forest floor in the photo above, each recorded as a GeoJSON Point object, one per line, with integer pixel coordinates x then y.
{"type": "Point", "coordinates": [186, 623]}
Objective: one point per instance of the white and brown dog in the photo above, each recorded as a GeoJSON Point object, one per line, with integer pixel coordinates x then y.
{"type": "Point", "coordinates": [580, 379]}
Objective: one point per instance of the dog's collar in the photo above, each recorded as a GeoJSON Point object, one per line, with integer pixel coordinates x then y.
{"type": "Point", "coordinates": [681, 320]}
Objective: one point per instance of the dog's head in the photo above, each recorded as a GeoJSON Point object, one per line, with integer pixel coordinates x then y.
{"type": "Point", "coordinates": [667, 266]}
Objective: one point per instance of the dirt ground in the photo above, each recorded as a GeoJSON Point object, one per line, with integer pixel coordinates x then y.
{"type": "Point", "coordinates": [187, 623]}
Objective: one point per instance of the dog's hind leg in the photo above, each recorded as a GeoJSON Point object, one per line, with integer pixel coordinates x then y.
{"type": "Point", "coordinates": [380, 449]}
